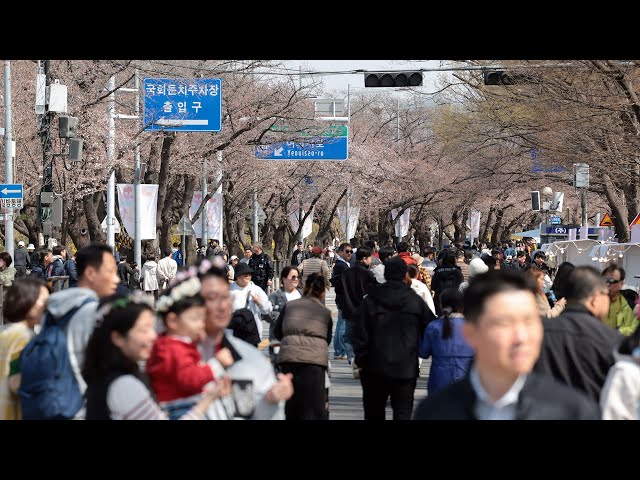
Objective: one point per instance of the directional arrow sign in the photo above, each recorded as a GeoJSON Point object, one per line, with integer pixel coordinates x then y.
{"type": "Point", "coordinates": [11, 190]}
{"type": "Point", "coordinates": [11, 195]}
{"type": "Point", "coordinates": [169, 122]}
{"type": "Point", "coordinates": [330, 143]}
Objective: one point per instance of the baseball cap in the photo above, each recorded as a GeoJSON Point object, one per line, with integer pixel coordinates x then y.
{"type": "Point", "coordinates": [21, 243]}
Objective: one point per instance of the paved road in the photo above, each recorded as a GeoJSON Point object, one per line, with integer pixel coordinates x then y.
{"type": "Point", "coordinates": [345, 394]}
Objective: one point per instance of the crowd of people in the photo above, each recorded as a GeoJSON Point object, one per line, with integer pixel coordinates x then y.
{"type": "Point", "coordinates": [508, 336]}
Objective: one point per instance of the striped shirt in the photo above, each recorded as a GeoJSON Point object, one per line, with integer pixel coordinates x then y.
{"type": "Point", "coordinates": [129, 399]}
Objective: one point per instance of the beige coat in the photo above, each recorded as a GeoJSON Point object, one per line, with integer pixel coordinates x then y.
{"type": "Point", "coordinates": [543, 307]}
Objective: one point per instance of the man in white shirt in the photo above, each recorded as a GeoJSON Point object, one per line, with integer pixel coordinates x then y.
{"type": "Point", "coordinates": [166, 271]}
{"type": "Point", "coordinates": [245, 293]}
{"type": "Point", "coordinates": [504, 328]}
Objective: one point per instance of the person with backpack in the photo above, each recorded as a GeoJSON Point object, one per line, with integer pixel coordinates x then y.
{"type": "Point", "coordinates": [117, 389]}
{"type": "Point", "coordinates": [23, 308]}
{"type": "Point", "coordinates": [55, 389]}
{"type": "Point", "coordinates": [249, 300]}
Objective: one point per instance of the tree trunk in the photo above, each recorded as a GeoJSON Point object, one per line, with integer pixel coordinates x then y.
{"type": "Point", "coordinates": [90, 204]}
{"type": "Point", "coordinates": [618, 210]}
{"type": "Point", "coordinates": [485, 230]}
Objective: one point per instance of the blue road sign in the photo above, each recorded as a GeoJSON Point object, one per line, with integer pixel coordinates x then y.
{"type": "Point", "coordinates": [11, 195]}
{"type": "Point", "coordinates": [326, 148]}
{"type": "Point", "coordinates": [564, 230]}
{"type": "Point", "coordinates": [555, 220]}
{"type": "Point", "coordinates": [183, 105]}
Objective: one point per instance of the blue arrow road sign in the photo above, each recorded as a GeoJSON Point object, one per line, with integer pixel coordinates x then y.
{"type": "Point", "coordinates": [11, 195]}
{"type": "Point", "coordinates": [183, 105]}
{"type": "Point", "coordinates": [326, 148]}
{"type": "Point", "coordinates": [10, 190]}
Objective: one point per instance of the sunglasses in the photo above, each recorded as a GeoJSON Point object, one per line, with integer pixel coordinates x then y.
{"type": "Point", "coordinates": [293, 278]}
{"type": "Point", "coordinates": [612, 281]}
{"type": "Point", "coordinates": [348, 251]}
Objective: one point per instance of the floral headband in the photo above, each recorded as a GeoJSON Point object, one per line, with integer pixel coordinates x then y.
{"type": "Point", "coordinates": [138, 297]}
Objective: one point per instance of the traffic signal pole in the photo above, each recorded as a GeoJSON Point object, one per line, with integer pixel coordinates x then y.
{"type": "Point", "coordinates": [8, 155]}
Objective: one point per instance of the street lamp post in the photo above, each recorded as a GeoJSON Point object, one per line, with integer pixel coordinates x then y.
{"type": "Point", "coordinates": [547, 192]}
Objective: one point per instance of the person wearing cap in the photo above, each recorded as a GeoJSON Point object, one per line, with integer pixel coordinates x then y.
{"type": "Point", "coordinates": [233, 263]}
{"type": "Point", "coordinates": [247, 294]}
{"type": "Point", "coordinates": [299, 255]}
{"type": "Point", "coordinates": [21, 260]}
{"type": "Point", "coordinates": [34, 257]}
{"type": "Point", "coordinates": [315, 264]}
{"type": "Point", "coordinates": [386, 331]}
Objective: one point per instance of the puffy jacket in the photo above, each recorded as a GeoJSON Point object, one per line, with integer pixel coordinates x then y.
{"type": "Point", "coordinates": [388, 326]}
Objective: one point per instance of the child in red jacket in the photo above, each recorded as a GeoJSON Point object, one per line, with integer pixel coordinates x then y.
{"type": "Point", "coordinates": [175, 366]}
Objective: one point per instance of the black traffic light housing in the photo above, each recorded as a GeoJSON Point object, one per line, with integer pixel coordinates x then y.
{"type": "Point", "coordinates": [393, 79]}
{"type": "Point", "coordinates": [498, 77]}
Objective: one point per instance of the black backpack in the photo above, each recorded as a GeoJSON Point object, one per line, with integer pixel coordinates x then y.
{"type": "Point", "coordinates": [243, 324]}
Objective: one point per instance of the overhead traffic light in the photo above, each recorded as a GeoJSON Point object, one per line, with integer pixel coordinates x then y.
{"type": "Point", "coordinates": [393, 79]}
{"type": "Point", "coordinates": [498, 77]}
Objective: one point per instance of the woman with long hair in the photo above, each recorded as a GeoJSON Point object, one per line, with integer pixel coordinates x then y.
{"type": "Point", "coordinates": [559, 285]}
{"type": "Point", "coordinates": [443, 341]}
{"type": "Point", "coordinates": [541, 299]}
{"type": "Point", "coordinates": [24, 304]}
{"type": "Point", "coordinates": [116, 387]}
{"type": "Point", "coordinates": [304, 330]}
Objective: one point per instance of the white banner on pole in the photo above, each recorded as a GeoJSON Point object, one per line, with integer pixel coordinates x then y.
{"type": "Point", "coordinates": [307, 227]}
{"type": "Point", "coordinates": [475, 223]}
{"type": "Point", "coordinates": [294, 219]}
{"type": "Point", "coordinates": [213, 210]}
{"type": "Point", "coordinates": [354, 215]}
{"type": "Point", "coordinates": [402, 223]}
{"type": "Point", "coordinates": [148, 209]}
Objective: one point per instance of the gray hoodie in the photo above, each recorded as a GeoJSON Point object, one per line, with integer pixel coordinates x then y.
{"type": "Point", "coordinates": [80, 326]}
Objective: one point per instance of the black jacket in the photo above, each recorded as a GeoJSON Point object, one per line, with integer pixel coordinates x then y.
{"type": "Point", "coordinates": [577, 349]}
{"type": "Point", "coordinates": [303, 256]}
{"type": "Point", "coordinates": [339, 267]}
{"type": "Point", "coordinates": [541, 398]}
{"type": "Point", "coordinates": [354, 283]}
{"type": "Point", "coordinates": [446, 277]}
{"type": "Point", "coordinates": [124, 272]}
{"type": "Point", "coordinates": [388, 324]}
{"type": "Point", "coordinates": [21, 258]}
{"type": "Point", "coordinates": [38, 271]}
{"type": "Point", "coordinates": [263, 268]}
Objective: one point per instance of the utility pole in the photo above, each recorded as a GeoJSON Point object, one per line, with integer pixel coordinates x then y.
{"type": "Point", "coordinates": [219, 174]}
{"type": "Point", "coordinates": [255, 211]}
{"type": "Point", "coordinates": [348, 214]}
{"type": "Point", "coordinates": [583, 204]}
{"type": "Point", "coordinates": [205, 230]}
{"type": "Point", "coordinates": [47, 156]}
{"type": "Point", "coordinates": [111, 148]}
{"type": "Point", "coordinates": [137, 241]}
{"type": "Point", "coordinates": [8, 154]}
